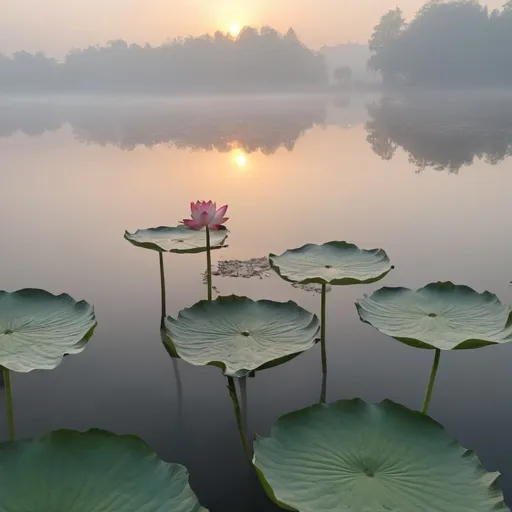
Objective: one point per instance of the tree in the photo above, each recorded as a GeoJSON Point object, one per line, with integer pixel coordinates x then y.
{"type": "Point", "coordinates": [383, 44]}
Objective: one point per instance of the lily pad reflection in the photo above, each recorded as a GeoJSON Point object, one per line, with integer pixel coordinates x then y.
{"type": "Point", "coordinates": [355, 456]}
{"type": "Point", "coordinates": [241, 335]}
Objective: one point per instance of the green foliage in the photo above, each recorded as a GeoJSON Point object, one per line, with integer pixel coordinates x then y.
{"type": "Point", "coordinates": [334, 263]}
{"type": "Point", "coordinates": [444, 316]}
{"type": "Point", "coordinates": [37, 329]}
{"type": "Point", "coordinates": [354, 456]}
{"type": "Point", "coordinates": [178, 239]}
{"type": "Point", "coordinates": [95, 470]}
{"type": "Point", "coordinates": [241, 335]}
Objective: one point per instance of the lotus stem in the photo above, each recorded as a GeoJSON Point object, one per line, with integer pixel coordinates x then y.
{"type": "Point", "coordinates": [323, 396]}
{"type": "Point", "coordinates": [179, 387]}
{"type": "Point", "coordinates": [162, 288]}
{"type": "Point", "coordinates": [239, 422]}
{"type": "Point", "coordinates": [430, 386]}
{"type": "Point", "coordinates": [8, 403]}
{"type": "Point", "coordinates": [208, 264]}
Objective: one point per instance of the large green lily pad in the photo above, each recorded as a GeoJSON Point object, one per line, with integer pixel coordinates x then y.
{"type": "Point", "coordinates": [443, 316]}
{"type": "Point", "coordinates": [334, 263]}
{"type": "Point", "coordinates": [178, 239]}
{"type": "Point", "coordinates": [351, 456]}
{"type": "Point", "coordinates": [37, 329]}
{"type": "Point", "coordinates": [90, 471]}
{"type": "Point", "coordinates": [241, 335]}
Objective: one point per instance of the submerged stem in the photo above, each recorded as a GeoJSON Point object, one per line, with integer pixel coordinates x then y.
{"type": "Point", "coordinates": [238, 414]}
{"type": "Point", "coordinates": [208, 264]}
{"type": "Point", "coordinates": [323, 396]}
{"type": "Point", "coordinates": [242, 383]}
{"type": "Point", "coordinates": [162, 288]}
{"type": "Point", "coordinates": [430, 387]}
{"type": "Point", "coordinates": [8, 403]}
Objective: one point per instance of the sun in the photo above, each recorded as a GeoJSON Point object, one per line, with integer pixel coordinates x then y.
{"type": "Point", "coordinates": [239, 158]}
{"type": "Point", "coordinates": [234, 29]}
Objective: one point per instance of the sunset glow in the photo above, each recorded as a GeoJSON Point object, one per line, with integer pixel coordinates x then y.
{"type": "Point", "coordinates": [234, 29]}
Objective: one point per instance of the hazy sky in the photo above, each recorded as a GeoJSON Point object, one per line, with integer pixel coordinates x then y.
{"type": "Point", "coordinates": [55, 26]}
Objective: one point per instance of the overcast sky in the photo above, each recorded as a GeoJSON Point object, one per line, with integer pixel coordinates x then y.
{"type": "Point", "coordinates": [55, 26]}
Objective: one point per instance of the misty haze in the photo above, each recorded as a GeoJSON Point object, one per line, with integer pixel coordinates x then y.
{"type": "Point", "coordinates": [315, 121]}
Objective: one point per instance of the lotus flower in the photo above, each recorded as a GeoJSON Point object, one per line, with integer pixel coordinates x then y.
{"type": "Point", "coordinates": [205, 214]}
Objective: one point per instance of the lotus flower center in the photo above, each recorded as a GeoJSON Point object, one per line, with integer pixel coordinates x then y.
{"type": "Point", "coordinates": [245, 333]}
{"type": "Point", "coordinates": [432, 315]}
{"type": "Point", "coordinates": [369, 473]}
{"type": "Point", "coordinates": [328, 266]}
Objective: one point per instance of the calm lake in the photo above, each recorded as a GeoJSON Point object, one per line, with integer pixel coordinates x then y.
{"type": "Point", "coordinates": [427, 178]}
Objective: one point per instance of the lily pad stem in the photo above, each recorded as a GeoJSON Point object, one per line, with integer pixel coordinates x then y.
{"type": "Point", "coordinates": [208, 264]}
{"type": "Point", "coordinates": [8, 403]}
{"type": "Point", "coordinates": [238, 414]}
{"type": "Point", "coordinates": [430, 387]}
{"type": "Point", "coordinates": [162, 288]}
{"type": "Point", "coordinates": [323, 396]}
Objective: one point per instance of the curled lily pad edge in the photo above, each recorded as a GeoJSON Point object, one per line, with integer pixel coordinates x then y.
{"type": "Point", "coordinates": [174, 353]}
{"type": "Point", "coordinates": [79, 346]}
{"type": "Point", "coordinates": [333, 282]}
{"type": "Point", "coordinates": [492, 477]}
{"type": "Point", "coordinates": [155, 247]}
{"type": "Point", "coordinates": [469, 344]}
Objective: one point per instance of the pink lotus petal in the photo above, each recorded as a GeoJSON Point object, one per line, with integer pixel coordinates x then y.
{"type": "Point", "coordinates": [219, 214]}
{"type": "Point", "coordinates": [192, 224]}
{"type": "Point", "coordinates": [215, 227]}
{"type": "Point", "coordinates": [204, 219]}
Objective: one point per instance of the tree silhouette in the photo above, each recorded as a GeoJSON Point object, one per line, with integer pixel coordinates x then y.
{"type": "Point", "coordinates": [454, 43]}
{"type": "Point", "coordinates": [255, 60]}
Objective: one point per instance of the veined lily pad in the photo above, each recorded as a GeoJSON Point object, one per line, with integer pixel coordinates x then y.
{"type": "Point", "coordinates": [241, 335]}
{"type": "Point", "coordinates": [178, 239]}
{"type": "Point", "coordinates": [354, 456]}
{"type": "Point", "coordinates": [441, 316]}
{"type": "Point", "coordinates": [334, 263]}
{"type": "Point", "coordinates": [94, 470]}
{"type": "Point", "coordinates": [37, 329]}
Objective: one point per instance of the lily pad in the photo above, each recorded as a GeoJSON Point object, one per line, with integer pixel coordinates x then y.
{"type": "Point", "coordinates": [178, 239]}
{"type": "Point", "coordinates": [441, 316]}
{"type": "Point", "coordinates": [334, 263]}
{"type": "Point", "coordinates": [94, 470]}
{"type": "Point", "coordinates": [354, 456]}
{"type": "Point", "coordinates": [37, 329]}
{"type": "Point", "coordinates": [241, 335]}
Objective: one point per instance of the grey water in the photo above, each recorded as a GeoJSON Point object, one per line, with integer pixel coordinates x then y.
{"type": "Point", "coordinates": [426, 177]}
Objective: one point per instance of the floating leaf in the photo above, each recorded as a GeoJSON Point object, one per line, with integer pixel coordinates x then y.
{"type": "Point", "coordinates": [444, 316]}
{"type": "Point", "coordinates": [178, 239]}
{"type": "Point", "coordinates": [241, 335]}
{"type": "Point", "coordinates": [37, 329]}
{"type": "Point", "coordinates": [94, 470]}
{"type": "Point", "coordinates": [334, 263]}
{"type": "Point", "coordinates": [354, 456]}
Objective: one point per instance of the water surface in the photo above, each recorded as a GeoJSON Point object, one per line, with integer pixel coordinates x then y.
{"type": "Point", "coordinates": [428, 179]}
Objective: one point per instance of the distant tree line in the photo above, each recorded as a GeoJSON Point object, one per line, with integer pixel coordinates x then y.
{"type": "Point", "coordinates": [256, 59]}
{"type": "Point", "coordinates": [448, 43]}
